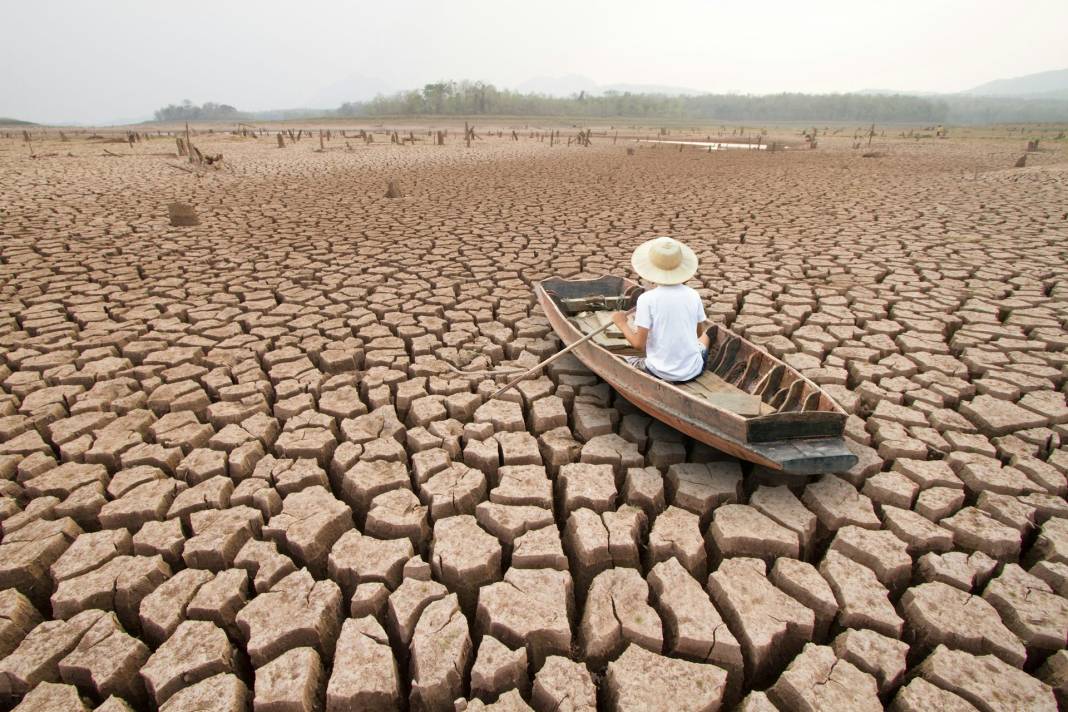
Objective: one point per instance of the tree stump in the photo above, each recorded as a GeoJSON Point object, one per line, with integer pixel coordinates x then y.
{"type": "Point", "coordinates": [393, 190]}
{"type": "Point", "coordinates": [182, 215]}
{"type": "Point", "coordinates": [1021, 162]}
{"type": "Point", "coordinates": [281, 141]}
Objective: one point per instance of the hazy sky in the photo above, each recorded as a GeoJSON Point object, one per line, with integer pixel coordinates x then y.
{"type": "Point", "coordinates": [108, 60]}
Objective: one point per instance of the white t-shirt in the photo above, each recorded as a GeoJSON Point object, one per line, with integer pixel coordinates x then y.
{"type": "Point", "coordinates": [671, 314]}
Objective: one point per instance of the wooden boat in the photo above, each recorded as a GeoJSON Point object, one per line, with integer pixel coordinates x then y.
{"type": "Point", "coordinates": [747, 402]}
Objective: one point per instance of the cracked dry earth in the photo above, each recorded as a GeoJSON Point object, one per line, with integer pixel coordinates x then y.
{"type": "Point", "coordinates": [236, 473]}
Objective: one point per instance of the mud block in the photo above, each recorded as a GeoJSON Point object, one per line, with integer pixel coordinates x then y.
{"type": "Point", "coordinates": [741, 530]}
{"type": "Point", "coordinates": [919, 533]}
{"type": "Point", "coordinates": [498, 669]}
{"type": "Point", "coordinates": [975, 530]}
{"type": "Point", "coordinates": [368, 479]}
{"type": "Point", "coordinates": [310, 522]}
{"type": "Point", "coordinates": [439, 652]}
{"type": "Point", "coordinates": [801, 580]}
{"type": "Point", "coordinates": [1054, 672]}
{"type": "Point", "coordinates": [257, 494]}
{"type": "Point", "coordinates": [36, 658]}
{"type": "Point", "coordinates": [663, 454]}
{"type": "Point", "coordinates": [676, 533]}
{"type": "Point", "coordinates": [264, 564]}
{"type": "Point", "coordinates": [586, 486]}
{"type": "Point", "coordinates": [1052, 542]}
{"type": "Point", "coordinates": [558, 448]}
{"type": "Point", "coordinates": [220, 693]}
{"type": "Point", "coordinates": [523, 485]}
{"type": "Point", "coordinates": [464, 557]}
{"type": "Point", "coordinates": [212, 493]}
{"type": "Point", "coordinates": [837, 503]}
{"type": "Point", "coordinates": [365, 675]}
{"type": "Point", "coordinates": [807, 683]}
{"type": "Point", "coordinates": [52, 697]}
{"type": "Point", "coordinates": [881, 551]}
{"type": "Point", "coordinates": [426, 464]}
{"type": "Point", "coordinates": [457, 489]}
{"type": "Point", "coordinates": [771, 626]}
{"type": "Point", "coordinates": [539, 549]}
{"type": "Point", "coordinates": [406, 605]}
{"type": "Point", "coordinates": [643, 487]}
{"type": "Point", "coordinates": [163, 610]}
{"type": "Point", "coordinates": [518, 449]}
{"type": "Point", "coordinates": [17, 618]}
{"type": "Point", "coordinates": [298, 611]}
{"type": "Point", "coordinates": [90, 551]}
{"type": "Point", "coordinates": [641, 680]}
{"type": "Point", "coordinates": [693, 627]}
{"type": "Point", "coordinates": [220, 599]}
{"type": "Point", "coordinates": [547, 413]}
{"type": "Point", "coordinates": [218, 536]}
{"type": "Point", "coordinates": [356, 559]}
{"type": "Point", "coordinates": [106, 662]}
{"type": "Point", "coordinates": [940, 614]}
{"type": "Point", "coordinates": [617, 612]}
{"type": "Point", "coordinates": [485, 456]}
{"type": "Point", "coordinates": [994, 416]}
{"type": "Point", "coordinates": [196, 651]}
{"type": "Point", "coordinates": [147, 502]}
{"type": "Point", "coordinates": [920, 696]}
{"type": "Point", "coordinates": [291, 682]}
{"type": "Point", "coordinates": [530, 607]}
{"type": "Point", "coordinates": [782, 506]}
{"type": "Point", "coordinates": [397, 514]}
{"type": "Point", "coordinates": [563, 684]}
{"type": "Point", "coordinates": [701, 487]}
{"type": "Point", "coordinates": [507, 522]}
{"type": "Point", "coordinates": [928, 473]}
{"type": "Point", "coordinates": [505, 416]}
{"type": "Point", "coordinates": [119, 585]}
{"type": "Point", "coordinates": [863, 599]}
{"type": "Point", "coordinates": [591, 421]}
{"type": "Point", "coordinates": [611, 449]}
{"type": "Point", "coordinates": [369, 599]}
{"type": "Point", "coordinates": [956, 568]}
{"type": "Point", "coordinates": [938, 503]}
{"type": "Point", "coordinates": [587, 542]}
{"type": "Point", "coordinates": [986, 681]}
{"type": "Point", "coordinates": [875, 654]}
{"type": "Point", "coordinates": [626, 527]}
{"type": "Point", "coordinates": [1030, 609]}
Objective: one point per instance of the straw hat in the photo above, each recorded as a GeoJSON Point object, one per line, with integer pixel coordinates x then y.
{"type": "Point", "coordinates": [664, 260]}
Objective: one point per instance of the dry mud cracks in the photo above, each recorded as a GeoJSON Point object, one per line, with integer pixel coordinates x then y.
{"type": "Point", "coordinates": [236, 473]}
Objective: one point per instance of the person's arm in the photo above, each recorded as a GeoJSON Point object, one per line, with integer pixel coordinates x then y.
{"type": "Point", "coordinates": [636, 337]}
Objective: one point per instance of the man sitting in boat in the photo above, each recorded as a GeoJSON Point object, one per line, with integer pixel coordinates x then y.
{"type": "Point", "coordinates": [669, 319]}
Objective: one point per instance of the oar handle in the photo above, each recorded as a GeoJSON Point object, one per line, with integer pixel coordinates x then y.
{"type": "Point", "coordinates": [549, 360]}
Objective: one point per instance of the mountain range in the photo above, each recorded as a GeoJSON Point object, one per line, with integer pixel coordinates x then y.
{"type": "Point", "coordinates": [1042, 85]}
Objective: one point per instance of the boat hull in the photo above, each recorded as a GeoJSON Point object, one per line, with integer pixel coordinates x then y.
{"type": "Point", "coordinates": [701, 421]}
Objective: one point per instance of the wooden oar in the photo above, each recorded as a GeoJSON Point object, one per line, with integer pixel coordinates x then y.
{"type": "Point", "coordinates": [549, 360]}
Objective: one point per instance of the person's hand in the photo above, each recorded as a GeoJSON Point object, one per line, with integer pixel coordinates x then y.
{"type": "Point", "coordinates": [619, 319]}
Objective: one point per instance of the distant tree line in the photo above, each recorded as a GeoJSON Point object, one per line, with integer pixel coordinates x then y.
{"type": "Point", "coordinates": [478, 98]}
{"type": "Point", "coordinates": [465, 98]}
{"type": "Point", "coordinates": [208, 111]}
